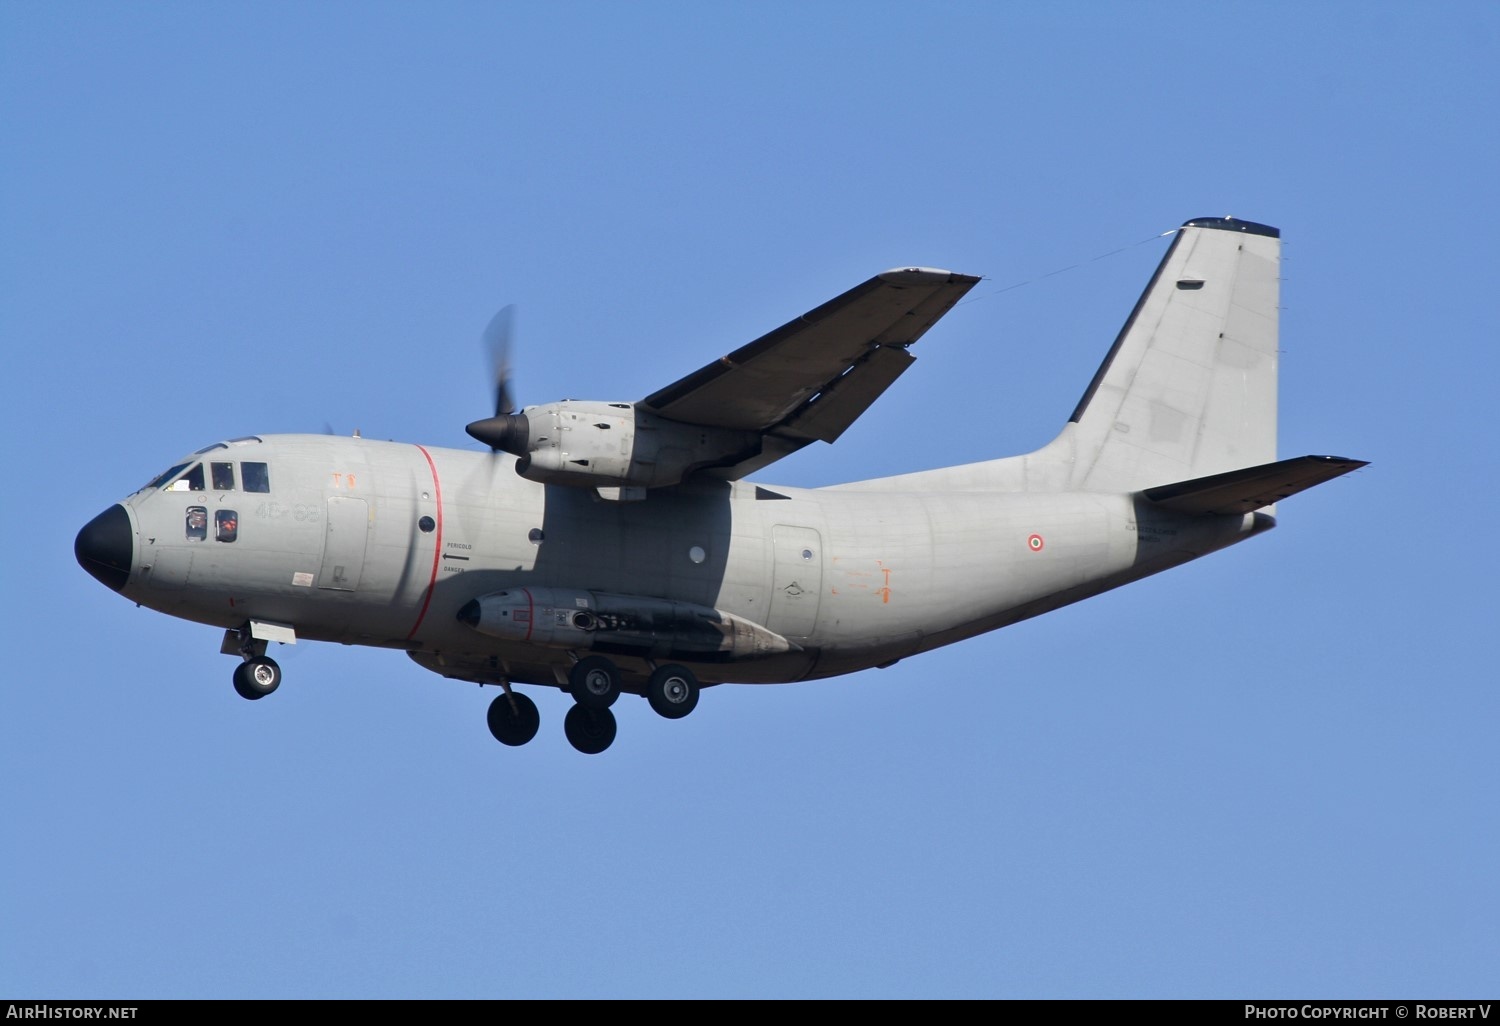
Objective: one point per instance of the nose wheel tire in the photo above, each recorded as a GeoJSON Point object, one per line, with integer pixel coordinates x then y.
{"type": "Point", "coordinates": [256, 678]}
{"type": "Point", "coordinates": [672, 691]}
{"type": "Point", "coordinates": [594, 682]}
{"type": "Point", "coordinates": [590, 731]}
{"type": "Point", "coordinates": [513, 724]}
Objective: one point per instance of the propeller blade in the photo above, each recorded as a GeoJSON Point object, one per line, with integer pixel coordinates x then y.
{"type": "Point", "coordinates": [497, 339]}
{"type": "Point", "coordinates": [507, 431]}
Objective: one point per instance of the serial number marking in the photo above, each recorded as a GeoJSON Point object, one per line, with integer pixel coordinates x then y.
{"type": "Point", "coordinates": [301, 512]}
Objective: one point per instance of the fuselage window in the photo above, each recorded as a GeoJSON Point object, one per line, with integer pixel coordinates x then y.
{"type": "Point", "coordinates": [223, 475]}
{"type": "Point", "coordinates": [255, 477]}
{"type": "Point", "coordinates": [192, 481]}
{"type": "Point", "coordinates": [226, 525]}
{"type": "Point", "coordinates": [197, 523]}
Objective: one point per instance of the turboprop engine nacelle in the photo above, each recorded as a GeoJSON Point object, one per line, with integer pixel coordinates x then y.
{"type": "Point", "coordinates": [628, 624]}
{"type": "Point", "coordinates": [593, 444]}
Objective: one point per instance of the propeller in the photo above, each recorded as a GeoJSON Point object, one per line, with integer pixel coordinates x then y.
{"type": "Point", "coordinates": [496, 339]}
{"type": "Point", "coordinates": [506, 431]}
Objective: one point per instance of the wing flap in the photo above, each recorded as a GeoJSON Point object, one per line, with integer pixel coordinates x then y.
{"type": "Point", "coordinates": [840, 404]}
{"type": "Point", "coordinates": [832, 411]}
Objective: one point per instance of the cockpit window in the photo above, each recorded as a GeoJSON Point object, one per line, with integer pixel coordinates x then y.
{"type": "Point", "coordinates": [197, 523]}
{"type": "Point", "coordinates": [192, 481]}
{"type": "Point", "coordinates": [223, 476]}
{"type": "Point", "coordinates": [164, 477]}
{"type": "Point", "coordinates": [255, 477]}
{"type": "Point", "coordinates": [226, 525]}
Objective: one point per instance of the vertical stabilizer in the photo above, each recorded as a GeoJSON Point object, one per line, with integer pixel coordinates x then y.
{"type": "Point", "coordinates": [1189, 388]}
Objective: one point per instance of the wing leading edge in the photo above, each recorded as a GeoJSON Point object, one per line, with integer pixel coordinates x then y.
{"type": "Point", "coordinates": [810, 379]}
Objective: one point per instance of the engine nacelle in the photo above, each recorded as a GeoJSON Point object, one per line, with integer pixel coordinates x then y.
{"type": "Point", "coordinates": [594, 444]}
{"type": "Point", "coordinates": [621, 624]}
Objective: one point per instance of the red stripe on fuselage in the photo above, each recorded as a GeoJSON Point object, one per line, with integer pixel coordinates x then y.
{"type": "Point", "coordinates": [437, 548]}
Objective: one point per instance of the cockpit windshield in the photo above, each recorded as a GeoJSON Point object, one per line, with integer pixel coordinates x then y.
{"type": "Point", "coordinates": [190, 477]}
{"type": "Point", "coordinates": [164, 477]}
{"type": "Point", "coordinates": [192, 481]}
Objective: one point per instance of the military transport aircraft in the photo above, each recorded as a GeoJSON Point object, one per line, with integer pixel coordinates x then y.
{"type": "Point", "coordinates": [609, 548]}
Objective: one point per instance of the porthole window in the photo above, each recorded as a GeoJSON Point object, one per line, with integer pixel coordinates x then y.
{"type": "Point", "coordinates": [535, 536]}
{"type": "Point", "coordinates": [197, 523]}
{"type": "Point", "coordinates": [427, 525]}
{"type": "Point", "coordinates": [696, 554]}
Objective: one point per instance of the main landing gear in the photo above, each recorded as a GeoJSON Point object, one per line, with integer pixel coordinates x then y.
{"type": "Point", "coordinates": [513, 718]}
{"type": "Point", "coordinates": [590, 725]}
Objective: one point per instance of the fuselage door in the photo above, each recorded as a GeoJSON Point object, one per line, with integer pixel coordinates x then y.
{"type": "Point", "coordinates": [344, 543]}
{"type": "Point", "coordinates": [797, 582]}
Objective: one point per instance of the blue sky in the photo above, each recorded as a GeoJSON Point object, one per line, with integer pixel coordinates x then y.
{"type": "Point", "coordinates": [1271, 773]}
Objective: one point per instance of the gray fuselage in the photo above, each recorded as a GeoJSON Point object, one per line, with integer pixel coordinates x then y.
{"type": "Point", "coordinates": [379, 543]}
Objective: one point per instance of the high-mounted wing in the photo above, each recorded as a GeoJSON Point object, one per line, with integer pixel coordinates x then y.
{"type": "Point", "coordinates": [805, 381]}
{"type": "Point", "coordinates": [808, 380]}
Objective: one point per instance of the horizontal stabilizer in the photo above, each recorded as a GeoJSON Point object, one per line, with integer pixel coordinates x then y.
{"type": "Point", "coordinates": [1243, 491]}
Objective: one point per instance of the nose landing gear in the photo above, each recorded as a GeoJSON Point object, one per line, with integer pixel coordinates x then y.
{"type": "Point", "coordinates": [257, 677]}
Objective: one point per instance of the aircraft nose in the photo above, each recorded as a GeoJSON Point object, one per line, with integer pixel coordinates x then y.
{"type": "Point", "coordinates": [106, 547]}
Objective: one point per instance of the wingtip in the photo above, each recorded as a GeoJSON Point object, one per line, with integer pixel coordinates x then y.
{"type": "Point", "coordinates": [922, 276]}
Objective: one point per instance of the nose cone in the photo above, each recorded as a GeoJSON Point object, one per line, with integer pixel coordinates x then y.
{"type": "Point", "coordinates": [106, 547]}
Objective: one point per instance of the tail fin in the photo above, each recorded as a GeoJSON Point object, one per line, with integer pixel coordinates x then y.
{"type": "Point", "coordinates": [1183, 408]}
{"type": "Point", "coordinates": [1189, 388]}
